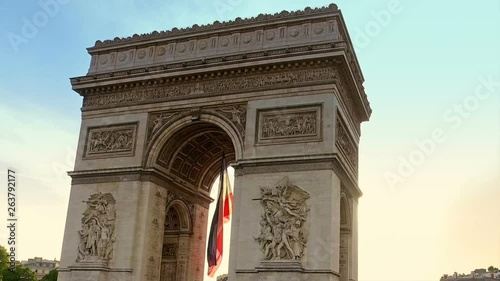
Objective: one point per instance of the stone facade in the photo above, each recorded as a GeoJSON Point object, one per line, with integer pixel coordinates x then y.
{"type": "Point", "coordinates": [280, 95]}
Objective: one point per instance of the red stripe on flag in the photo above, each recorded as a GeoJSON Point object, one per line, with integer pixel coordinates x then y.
{"type": "Point", "coordinates": [219, 246]}
{"type": "Point", "coordinates": [228, 198]}
{"type": "Point", "coordinates": [222, 215]}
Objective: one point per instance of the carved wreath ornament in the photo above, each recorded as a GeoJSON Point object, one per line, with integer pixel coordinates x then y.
{"type": "Point", "coordinates": [283, 235]}
{"type": "Point", "coordinates": [98, 229]}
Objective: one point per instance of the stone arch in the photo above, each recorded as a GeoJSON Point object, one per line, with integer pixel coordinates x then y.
{"type": "Point", "coordinates": [143, 120]}
{"type": "Point", "coordinates": [183, 120]}
{"type": "Point", "coordinates": [189, 151]}
{"type": "Point", "coordinates": [345, 212]}
{"type": "Point", "coordinates": [178, 228]}
{"type": "Point", "coordinates": [345, 251]}
{"type": "Point", "coordinates": [185, 216]}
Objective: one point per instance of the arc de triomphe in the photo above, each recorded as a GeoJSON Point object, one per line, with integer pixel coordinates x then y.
{"type": "Point", "coordinates": [282, 95]}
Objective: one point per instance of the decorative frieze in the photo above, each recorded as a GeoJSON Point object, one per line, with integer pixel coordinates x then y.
{"type": "Point", "coordinates": [246, 35]}
{"type": "Point", "coordinates": [207, 87]}
{"type": "Point", "coordinates": [202, 63]}
{"type": "Point", "coordinates": [345, 144]}
{"type": "Point", "coordinates": [116, 140]}
{"type": "Point", "coordinates": [98, 229]}
{"type": "Point", "coordinates": [283, 235]}
{"type": "Point", "coordinates": [217, 25]}
{"type": "Point", "coordinates": [283, 125]}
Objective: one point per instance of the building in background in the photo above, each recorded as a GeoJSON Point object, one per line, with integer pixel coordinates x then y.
{"type": "Point", "coordinates": [476, 275]}
{"type": "Point", "coordinates": [222, 277]}
{"type": "Point", "coordinates": [40, 266]}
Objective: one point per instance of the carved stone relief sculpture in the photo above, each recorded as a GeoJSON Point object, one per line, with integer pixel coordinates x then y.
{"type": "Point", "coordinates": [237, 114]}
{"type": "Point", "coordinates": [169, 251]}
{"type": "Point", "coordinates": [159, 120]}
{"type": "Point", "coordinates": [116, 140]}
{"type": "Point", "coordinates": [283, 235]}
{"type": "Point", "coordinates": [345, 144]}
{"type": "Point", "coordinates": [289, 125]}
{"type": "Point", "coordinates": [149, 94]}
{"type": "Point", "coordinates": [98, 229]}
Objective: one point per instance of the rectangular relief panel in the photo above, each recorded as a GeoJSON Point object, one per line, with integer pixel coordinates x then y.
{"type": "Point", "coordinates": [289, 125]}
{"type": "Point", "coordinates": [346, 144]}
{"type": "Point", "coordinates": [111, 141]}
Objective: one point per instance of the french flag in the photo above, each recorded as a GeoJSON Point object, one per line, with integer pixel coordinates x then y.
{"type": "Point", "coordinates": [222, 215]}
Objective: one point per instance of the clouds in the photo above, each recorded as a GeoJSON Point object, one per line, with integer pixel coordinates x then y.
{"type": "Point", "coordinates": [38, 144]}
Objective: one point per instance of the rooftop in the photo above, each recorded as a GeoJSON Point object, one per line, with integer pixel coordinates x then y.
{"type": "Point", "coordinates": [215, 26]}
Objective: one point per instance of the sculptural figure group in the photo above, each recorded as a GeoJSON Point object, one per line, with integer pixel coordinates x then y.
{"type": "Point", "coordinates": [98, 224]}
{"type": "Point", "coordinates": [105, 141]}
{"type": "Point", "coordinates": [283, 235]}
{"type": "Point", "coordinates": [289, 125]}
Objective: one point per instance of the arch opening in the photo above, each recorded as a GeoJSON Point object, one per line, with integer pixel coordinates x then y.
{"type": "Point", "coordinates": [345, 239]}
{"type": "Point", "coordinates": [191, 158]}
{"type": "Point", "coordinates": [171, 242]}
{"type": "Point", "coordinates": [192, 155]}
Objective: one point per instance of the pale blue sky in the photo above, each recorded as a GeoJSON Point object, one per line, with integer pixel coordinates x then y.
{"type": "Point", "coordinates": [418, 65]}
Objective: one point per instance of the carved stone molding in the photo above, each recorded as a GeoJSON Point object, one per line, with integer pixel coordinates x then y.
{"type": "Point", "coordinates": [172, 197]}
{"type": "Point", "coordinates": [220, 46]}
{"type": "Point", "coordinates": [98, 229]}
{"type": "Point", "coordinates": [345, 144]}
{"type": "Point", "coordinates": [347, 101]}
{"type": "Point", "coordinates": [170, 67]}
{"type": "Point", "coordinates": [139, 174]}
{"type": "Point", "coordinates": [215, 25]}
{"type": "Point", "coordinates": [284, 125]}
{"type": "Point", "coordinates": [116, 140]}
{"type": "Point", "coordinates": [206, 87]}
{"type": "Point", "coordinates": [283, 167]}
{"type": "Point", "coordinates": [171, 219]}
{"type": "Point", "coordinates": [283, 235]}
{"type": "Point", "coordinates": [282, 30]}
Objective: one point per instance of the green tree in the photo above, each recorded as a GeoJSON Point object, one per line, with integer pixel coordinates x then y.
{"type": "Point", "coordinates": [492, 269]}
{"type": "Point", "coordinates": [21, 273]}
{"type": "Point", "coordinates": [4, 258]}
{"type": "Point", "coordinates": [51, 276]}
